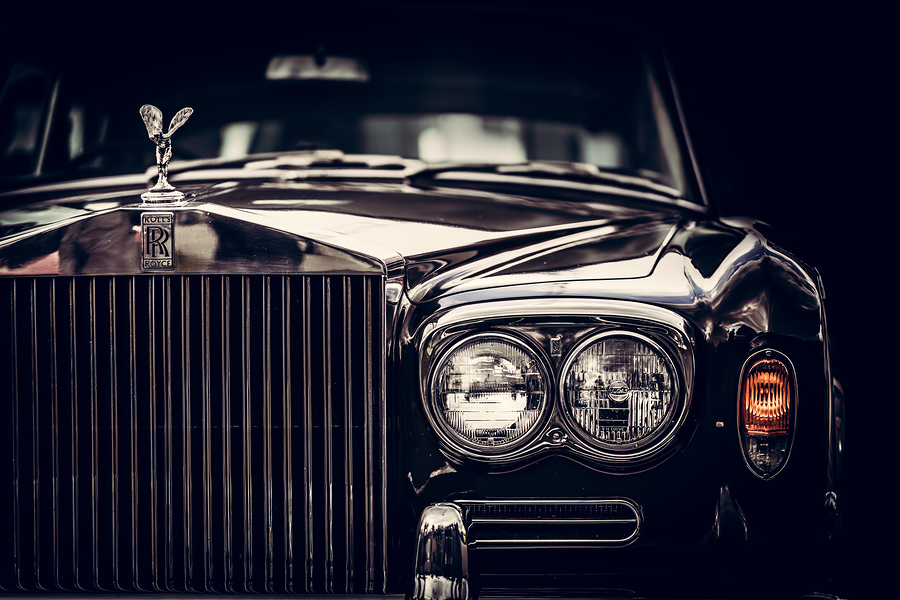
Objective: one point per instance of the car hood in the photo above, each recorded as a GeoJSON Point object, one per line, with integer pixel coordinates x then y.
{"type": "Point", "coordinates": [440, 236]}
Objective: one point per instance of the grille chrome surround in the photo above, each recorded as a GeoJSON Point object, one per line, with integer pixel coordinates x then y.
{"type": "Point", "coordinates": [194, 433]}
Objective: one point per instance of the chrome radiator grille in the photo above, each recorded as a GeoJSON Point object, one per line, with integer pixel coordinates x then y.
{"type": "Point", "coordinates": [193, 433]}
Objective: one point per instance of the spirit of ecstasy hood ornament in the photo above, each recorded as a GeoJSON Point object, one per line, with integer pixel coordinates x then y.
{"type": "Point", "coordinates": [162, 192]}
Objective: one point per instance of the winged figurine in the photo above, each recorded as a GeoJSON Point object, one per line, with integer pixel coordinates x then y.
{"type": "Point", "coordinates": [153, 119]}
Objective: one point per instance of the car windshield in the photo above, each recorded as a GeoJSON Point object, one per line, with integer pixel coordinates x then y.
{"type": "Point", "coordinates": [454, 91]}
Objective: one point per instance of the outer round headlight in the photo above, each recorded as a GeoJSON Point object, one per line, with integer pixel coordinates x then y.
{"type": "Point", "coordinates": [621, 390]}
{"type": "Point", "coordinates": [488, 392]}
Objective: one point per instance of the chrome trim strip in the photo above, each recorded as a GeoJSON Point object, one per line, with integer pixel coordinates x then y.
{"type": "Point", "coordinates": [154, 502]}
{"type": "Point", "coordinates": [286, 405]}
{"type": "Point", "coordinates": [55, 428]}
{"type": "Point", "coordinates": [73, 397]}
{"type": "Point", "coordinates": [16, 511]}
{"type": "Point", "coordinates": [287, 464]}
{"type": "Point", "coordinates": [48, 127]}
{"type": "Point", "coordinates": [370, 444]}
{"type": "Point", "coordinates": [329, 439]}
{"type": "Point", "coordinates": [114, 434]}
{"type": "Point", "coordinates": [542, 544]}
{"type": "Point", "coordinates": [685, 133]}
{"type": "Point", "coordinates": [73, 455]}
{"type": "Point", "coordinates": [554, 521]}
{"type": "Point", "coordinates": [382, 407]}
{"type": "Point", "coordinates": [186, 430]}
{"type": "Point", "coordinates": [308, 431]}
{"type": "Point", "coordinates": [247, 426]}
{"type": "Point", "coordinates": [348, 434]}
{"type": "Point", "coordinates": [169, 449]}
{"type": "Point", "coordinates": [95, 441]}
{"type": "Point", "coordinates": [267, 430]}
{"type": "Point", "coordinates": [205, 303]}
{"type": "Point", "coordinates": [35, 433]}
{"type": "Point", "coordinates": [133, 442]}
{"type": "Point", "coordinates": [561, 307]}
{"type": "Point", "coordinates": [228, 546]}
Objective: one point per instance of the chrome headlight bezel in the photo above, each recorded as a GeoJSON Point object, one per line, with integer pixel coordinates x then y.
{"type": "Point", "coordinates": [554, 330]}
{"type": "Point", "coordinates": [666, 429]}
{"type": "Point", "coordinates": [450, 436]}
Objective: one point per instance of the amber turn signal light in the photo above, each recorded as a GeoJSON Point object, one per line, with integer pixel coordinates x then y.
{"type": "Point", "coordinates": [768, 405]}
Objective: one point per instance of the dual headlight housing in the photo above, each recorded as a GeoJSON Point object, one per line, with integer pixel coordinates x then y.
{"type": "Point", "coordinates": [613, 392]}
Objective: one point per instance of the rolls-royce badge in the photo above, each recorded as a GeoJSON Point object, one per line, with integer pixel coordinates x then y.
{"type": "Point", "coordinates": [163, 191]}
{"type": "Point", "coordinates": [157, 241]}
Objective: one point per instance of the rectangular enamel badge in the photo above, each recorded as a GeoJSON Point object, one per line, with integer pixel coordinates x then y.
{"type": "Point", "coordinates": [157, 241]}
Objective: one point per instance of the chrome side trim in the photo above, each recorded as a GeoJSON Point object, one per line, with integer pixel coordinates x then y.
{"type": "Point", "coordinates": [441, 570]}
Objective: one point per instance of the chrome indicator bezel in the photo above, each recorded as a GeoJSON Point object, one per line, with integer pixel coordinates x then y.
{"type": "Point", "coordinates": [663, 433]}
{"type": "Point", "coordinates": [454, 439]}
{"type": "Point", "coordinates": [535, 323]}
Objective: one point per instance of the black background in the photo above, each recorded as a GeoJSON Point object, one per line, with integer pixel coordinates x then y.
{"type": "Point", "coordinates": [791, 118]}
{"type": "Point", "coordinates": [789, 113]}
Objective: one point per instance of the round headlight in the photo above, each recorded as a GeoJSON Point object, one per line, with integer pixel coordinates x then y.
{"type": "Point", "coordinates": [621, 390]}
{"type": "Point", "coordinates": [488, 392]}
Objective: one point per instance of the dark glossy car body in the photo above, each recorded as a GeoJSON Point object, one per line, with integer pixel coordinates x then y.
{"type": "Point", "coordinates": [258, 416]}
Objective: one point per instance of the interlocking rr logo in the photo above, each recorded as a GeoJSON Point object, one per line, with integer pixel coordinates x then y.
{"type": "Point", "coordinates": [157, 241]}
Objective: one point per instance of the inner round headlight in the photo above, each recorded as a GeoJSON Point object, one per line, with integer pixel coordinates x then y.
{"type": "Point", "coordinates": [489, 391]}
{"type": "Point", "coordinates": [621, 390]}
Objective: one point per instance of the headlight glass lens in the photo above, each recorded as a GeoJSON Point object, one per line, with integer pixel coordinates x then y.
{"type": "Point", "coordinates": [621, 390]}
{"type": "Point", "coordinates": [489, 391]}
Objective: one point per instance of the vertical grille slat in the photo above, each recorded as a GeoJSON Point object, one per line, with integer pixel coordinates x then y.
{"type": "Point", "coordinates": [35, 435]}
{"type": "Point", "coordinates": [55, 430]}
{"type": "Point", "coordinates": [186, 431]}
{"type": "Point", "coordinates": [328, 483]}
{"type": "Point", "coordinates": [206, 417]}
{"type": "Point", "coordinates": [287, 423]}
{"type": "Point", "coordinates": [73, 413]}
{"type": "Point", "coordinates": [348, 340]}
{"type": "Point", "coordinates": [136, 537]}
{"type": "Point", "coordinates": [247, 427]}
{"type": "Point", "coordinates": [114, 436]}
{"type": "Point", "coordinates": [194, 433]}
{"type": "Point", "coordinates": [17, 549]}
{"type": "Point", "coordinates": [308, 507]}
{"type": "Point", "coordinates": [93, 384]}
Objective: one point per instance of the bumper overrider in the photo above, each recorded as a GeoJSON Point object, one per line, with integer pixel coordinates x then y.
{"type": "Point", "coordinates": [446, 530]}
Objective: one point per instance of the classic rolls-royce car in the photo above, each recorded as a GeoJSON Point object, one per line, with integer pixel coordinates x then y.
{"type": "Point", "coordinates": [395, 311]}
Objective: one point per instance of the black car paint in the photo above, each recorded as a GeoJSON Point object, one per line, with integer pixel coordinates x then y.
{"type": "Point", "coordinates": [739, 293]}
